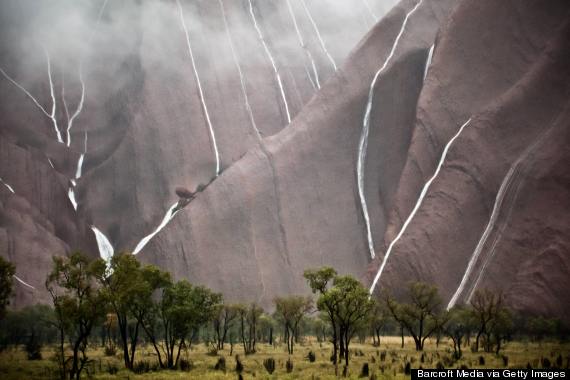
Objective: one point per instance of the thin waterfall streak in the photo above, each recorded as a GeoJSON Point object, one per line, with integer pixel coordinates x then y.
{"type": "Point", "coordinates": [25, 92]}
{"type": "Point", "coordinates": [172, 211]}
{"type": "Point", "coordinates": [106, 250]}
{"type": "Point", "coordinates": [428, 61]}
{"type": "Point", "coordinates": [79, 106]}
{"type": "Point", "coordinates": [511, 175]}
{"type": "Point", "coordinates": [266, 48]}
{"type": "Point", "coordinates": [310, 78]}
{"type": "Point", "coordinates": [304, 46]}
{"type": "Point", "coordinates": [63, 100]}
{"type": "Point", "coordinates": [79, 170]}
{"type": "Point", "coordinates": [363, 141]}
{"type": "Point", "coordinates": [369, 8]}
{"type": "Point", "coordinates": [71, 196]}
{"type": "Point", "coordinates": [200, 91]}
{"type": "Point", "coordinates": [241, 75]}
{"type": "Point", "coordinates": [54, 102]}
{"type": "Point", "coordinates": [321, 41]}
{"type": "Point", "coordinates": [23, 282]}
{"type": "Point", "coordinates": [417, 205]}
{"type": "Point", "coordinates": [10, 188]}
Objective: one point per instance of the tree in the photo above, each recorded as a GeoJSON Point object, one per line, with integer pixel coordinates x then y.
{"type": "Point", "coordinates": [457, 327]}
{"type": "Point", "coordinates": [248, 319]}
{"type": "Point", "coordinates": [319, 281]}
{"type": "Point", "coordinates": [123, 283]}
{"type": "Point", "coordinates": [345, 302]}
{"type": "Point", "coordinates": [379, 317]}
{"type": "Point", "coordinates": [7, 271]}
{"type": "Point", "coordinates": [290, 310]}
{"type": "Point", "coordinates": [78, 305]}
{"type": "Point", "coordinates": [353, 308]}
{"type": "Point", "coordinates": [225, 317]}
{"type": "Point", "coordinates": [486, 305]}
{"type": "Point", "coordinates": [421, 315]}
{"type": "Point", "coordinates": [500, 328]}
{"type": "Point", "coordinates": [181, 311]}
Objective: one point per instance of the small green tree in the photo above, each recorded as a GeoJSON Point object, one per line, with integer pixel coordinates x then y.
{"type": "Point", "coordinates": [7, 271]}
{"type": "Point", "coordinates": [485, 307]}
{"type": "Point", "coordinates": [78, 305]}
{"type": "Point", "coordinates": [226, 316]}
{"type": "Point", "coordinates": [379, 317]}
{"type": "Point", "coordinates": [457, 327]}
{"type": "Point", "coordinates": [181, 311]}
{"type": "Point", "coordinates": [248, 317]}
{"type": "Point", "coordinates": [421, 315]}
{"type": "Point", "coordinates": [290, 310]}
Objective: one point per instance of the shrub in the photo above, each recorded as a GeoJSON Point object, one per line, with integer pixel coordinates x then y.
{"type": "Point", "coordinates": [110, 350]}
{"type": "Point", "coordinates": [141, 367]}
{"type": "Point", "coordinates": [239, 365]}
{"type": "Point", "coordinates": [383, 356]}
{"type": "Point", "coordinates": [311, 356]}
{"type": "Point", "coordinates": [545, 363]}
{"type": "Point", "coordinates": [439, 366]}
{"type": "Point", "coordinates": [559, 361]}
{"type": "Point", "coordinates": [365, 371]}
{"type": "Point", "coordinates": [408, 368]}
{"type": "Point", "coordinates": [289, 365]}
{"type": "Point", "coordinates": [481, 360]}
{"type": "Point", "coordinates": [269, 365]}
{"type": "Point", "coordinates": [220, 364]}
{"type": "Point", "coordinates": [112, 369]}
{"type": "Point", "coordinates": [505, 360]}
{"type": "Point", "coordinates": [185, 365]}
{"type": "Point", "coordinates": [34, 348]}
{"type": "Point", "coordinates": [213, 351]}
{"type": "Point", "coordinates": [373, 377]}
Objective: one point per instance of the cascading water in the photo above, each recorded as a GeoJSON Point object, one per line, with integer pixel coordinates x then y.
{"type": "Point", "coordinates": [319, 37]}
{"type": "Point", "coordinates": [266, 48]}
{"type": "Point", "coordinates": [79, 107]}
{"type": "Point", "coordinates": [54, 102]}
{"type": "Point", "coordinates": [23, 282]}
{"type": "Point", "coordinates": [363, 142]}
{"type": "Point", "coordinates": [71, 196]}
{"type": "Point", "coordinates": [428, 61]}
{"type": "Point", "coordinates": [106, 250]}
{"type": "Point", "coordinates": [304, 47]}
{"type": "Point", "coordinates": [81, 158]}
{"type": "Point", "coordinates": [7, 186]}
{"type": "Point", "coordinates": [369, 8]}
{"type": "Point", "coordinates": [241, 76]}
{"type": "Point", "coordinates": [167, 218]}
{"type": "Point", "coordinates": [417, 205]}
{"type": "Point", "coordinates": [200, 91]}
{"type": "Point", "coordinates": [508, 180]}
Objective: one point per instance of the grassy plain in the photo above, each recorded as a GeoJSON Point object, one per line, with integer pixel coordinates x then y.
{"type": "Point", "coordinates": [386, 362]}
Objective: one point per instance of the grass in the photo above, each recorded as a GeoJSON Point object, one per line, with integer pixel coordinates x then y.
{"type": "Point", "coordinates": [14, 365]}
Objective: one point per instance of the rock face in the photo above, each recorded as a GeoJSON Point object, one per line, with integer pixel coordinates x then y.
{"type": "Point", "coordinates": [303, 143]}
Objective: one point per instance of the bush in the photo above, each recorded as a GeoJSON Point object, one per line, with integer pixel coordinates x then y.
{"type": "Point", "coordinates": [34, 348]}
{"type": "Point", "coordinates": [373, 377]}
{"type": "Point", "coordinates": [311, 356]}
{"type": "Point", "coordinates": [185, 365]}
{"type": "Point", "coordinates": [408, 368]}
{"type": "Point", "coordinates": [289, 365]}
{"type": "Point", "coordinates": [383, 356]}
{"type": "Point", "coordinates": [269, 365]}
{"type": "Point", "coordinates": [239, 365]}
{"type": "Point", "coordinates": [365, 371]}
{"type": "Point", "coordinates": [112, 369]}
{"type": "Point", "coordinates": [481, 360]}
{"type": "Point", "coordinates": [505, 361]}
{"type": "Point", "coordinates": [545, 363]}
{"type": "Point", "coordinates": [439, 366]}
{"type": "Point", "coordinates": [220, 364]}
{"type": "Point", "coordinates": [213, 351]}
{"type": "Point", "coordinates": [110, 350]}
{"type": "Point", "coordinates": [142, 366]}
{"type": "Point", "coordinates": [559, 361]}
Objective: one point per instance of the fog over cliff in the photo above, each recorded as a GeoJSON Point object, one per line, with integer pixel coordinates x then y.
{"type": "Point", "coordinates": [395, 141]}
